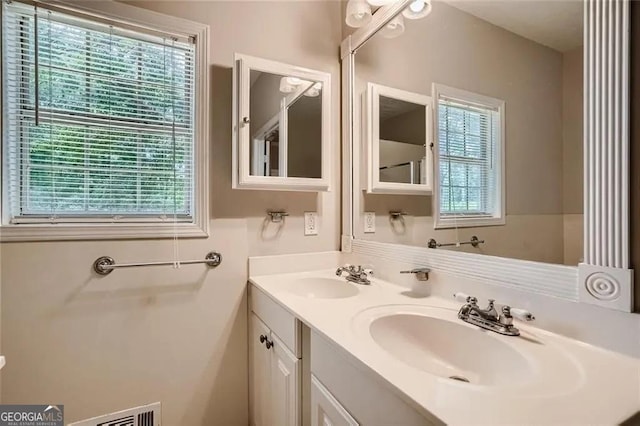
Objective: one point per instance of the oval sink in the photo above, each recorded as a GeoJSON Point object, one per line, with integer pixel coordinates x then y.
{"type": "Point", "coordinates": [432, 340]}
{"type": "Point", "coordinates": [451, 350]}
{"type": "Point", "coordinates": [321, 288]}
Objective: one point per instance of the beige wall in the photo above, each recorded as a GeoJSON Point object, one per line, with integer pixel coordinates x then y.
{"type": "Point", "coordinates": [454, 48]}
{"type": "Point", "coordinates": [409, 127]}
{"type": "Point", "coordinates": [305, 138]}
{"type": "Point", "coordinates": [157, 334]}
{"type": "Point", "coordinates": [265, 102]}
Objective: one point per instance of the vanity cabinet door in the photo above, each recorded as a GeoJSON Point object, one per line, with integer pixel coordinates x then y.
{"type": "Point", "coordinates": [325, 409]}
{"type": "Point", "coordinates": [285, 385]}
{"type": "Point", "coordinates": [274, 375]}
{"type": "Point", "coordinates": [259, 373]}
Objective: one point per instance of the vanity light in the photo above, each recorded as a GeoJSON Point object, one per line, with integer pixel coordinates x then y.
{"type": "Point", "coordinates": [394, 28]}
{"type": "Point", "coordinates": [358, 13]}
{"type": "Point", "coordinates": [417, 9]}
{"type": "Point", "coordinates": [314, 90]}
{"type": "Point", "coordinates": [289, 84]}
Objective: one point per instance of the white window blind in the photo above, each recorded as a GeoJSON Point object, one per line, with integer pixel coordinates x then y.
{"type": "Point", "coordinates": [468, 162]}
{"type": "Point", "coordinates": [99, 120]}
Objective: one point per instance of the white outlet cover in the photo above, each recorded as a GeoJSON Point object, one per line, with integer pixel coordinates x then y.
{"type": "Point", "coordinates": [369, 222]}
{"type": "Point", "coordinates": [310, 223]}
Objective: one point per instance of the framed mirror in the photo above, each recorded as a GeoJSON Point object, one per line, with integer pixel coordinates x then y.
{"type": "Point", "coordinates": [524, 168]}
{"type": "Point", "coordinates": [281, 126]}
{"type": "Point", "coordinates": [399, 139]}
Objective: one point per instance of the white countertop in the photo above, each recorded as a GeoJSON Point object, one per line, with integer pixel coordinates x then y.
{"type": "Point", "coordinates": [607, 389]}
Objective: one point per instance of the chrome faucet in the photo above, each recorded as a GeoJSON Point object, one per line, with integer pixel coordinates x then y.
{"type": "Point", "coordinates": [356, 274]}
{"type": "Point", "coordinates": [489, 318]}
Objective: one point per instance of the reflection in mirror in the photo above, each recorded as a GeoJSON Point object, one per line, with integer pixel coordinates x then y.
{"type": "Point", "coordinates": [399, 140]}
{"type": "Point", "coordinates": [285, 126]}
{"type": "Point", "coordinates": [402, 141]}
{"type": "Point", "coordinates": [506, 86]}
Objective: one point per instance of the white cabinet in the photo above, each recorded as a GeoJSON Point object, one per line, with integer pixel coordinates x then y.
{"type": "Point", "coordinates": [325, 409]}
{"type": "Point", "coordinates": [275, 379]}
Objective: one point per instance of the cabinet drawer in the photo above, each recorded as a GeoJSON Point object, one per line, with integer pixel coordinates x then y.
{"type": "Point", "coordinates": [341, 376]}
{"type": "Point", "coordinates": [278, 319]}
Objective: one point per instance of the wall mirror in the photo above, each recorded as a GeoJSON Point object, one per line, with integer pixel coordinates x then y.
{"type": "Point", "coordinates": [531, 142]}
{"type": "Point", "coordinates": [398, 140]}
{"type": "Point", "coordinates": [281, 126]}
{"type": "Point", "coordinates": [507, 129]}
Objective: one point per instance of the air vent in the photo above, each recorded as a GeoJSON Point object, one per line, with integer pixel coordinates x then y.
{"type": "Point", "coordinates": [147, 415]}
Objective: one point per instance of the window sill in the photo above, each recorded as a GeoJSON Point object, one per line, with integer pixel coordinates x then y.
{"type": "Point", "coordinates": [107, 231]}
{"type": "Point", "coordinates": [468, 222]}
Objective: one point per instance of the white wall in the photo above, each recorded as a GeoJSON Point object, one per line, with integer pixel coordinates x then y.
{"type": "Point", "coordinates": [178, 336]}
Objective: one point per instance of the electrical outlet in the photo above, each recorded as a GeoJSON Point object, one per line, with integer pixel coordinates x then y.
{"type": "Point", "coordinates": [369, 222]}
{"type": "Point", "coordinates": [310, 223]}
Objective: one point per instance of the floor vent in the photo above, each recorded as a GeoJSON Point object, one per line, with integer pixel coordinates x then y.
{"type": "Point", "coordinates": [147, 415]}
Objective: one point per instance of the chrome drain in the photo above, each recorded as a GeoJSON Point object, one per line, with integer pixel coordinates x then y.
{"type": "Point", "coordinates": [460, 379]}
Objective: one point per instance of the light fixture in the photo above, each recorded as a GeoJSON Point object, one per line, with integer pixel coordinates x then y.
{"type": "Point", "coordinates": [378, 3]}
{"type": "Point", "coordinates": [314, 90]}
{"type": "Point", "coordinates": [358, 13]}
{"type": "Point", "coordinates": [289, 84]}
{"type": "Point", "coordinates": [394, 28]}
{"type": "Point", "coordinates": [417, 9]}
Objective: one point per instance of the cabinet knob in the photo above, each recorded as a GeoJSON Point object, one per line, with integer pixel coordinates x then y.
{"type": "Point", "coordinates": [263, 338]}
{"type": "Point", "coordinates": [269, 344]}
{"type": "Point", "coordinates": [246, 120]}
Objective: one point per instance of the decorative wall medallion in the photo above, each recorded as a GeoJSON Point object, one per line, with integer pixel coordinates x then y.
{"type": "Point", "coordinates": [603, 286]}
{"type": "Point", "coordinates": [608, 287]}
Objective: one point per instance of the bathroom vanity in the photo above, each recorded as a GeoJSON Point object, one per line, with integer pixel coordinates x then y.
{"type": "Point", "coordinates": [345, 354]}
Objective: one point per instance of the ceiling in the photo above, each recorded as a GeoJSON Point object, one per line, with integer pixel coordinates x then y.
{"type": "Point", "coordinates": [391, 107]}
{"type": "Point", "coordinates": [553, 23]}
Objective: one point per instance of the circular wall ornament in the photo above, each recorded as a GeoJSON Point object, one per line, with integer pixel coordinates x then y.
{"type": "Point", "coordinates": [602, 286]}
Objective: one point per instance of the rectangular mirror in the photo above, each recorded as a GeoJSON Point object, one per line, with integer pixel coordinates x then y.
{"type": "Point", "coordinates": [281, 126]}
{"type": "Point", "coordinates": [505, 84]}
{"type": "Point", "coordinates": [398, 136]}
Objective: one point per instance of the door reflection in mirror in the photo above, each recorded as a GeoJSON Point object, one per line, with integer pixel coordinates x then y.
{"type": "Point", "coordinates": [285, 126]}
{"type": "Point", "coordinates": [402, 141]}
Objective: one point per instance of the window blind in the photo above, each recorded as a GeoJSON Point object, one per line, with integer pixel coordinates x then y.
{"type": "Point", "coordinates": [99, 119]}
{"type": "Point", "coordinates": [468, 165]}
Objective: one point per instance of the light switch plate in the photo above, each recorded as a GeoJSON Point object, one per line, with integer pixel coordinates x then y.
{"type": "Point", "coordinates": [310, 223]}
{"type": "Point", "coordinates": [369, 222]}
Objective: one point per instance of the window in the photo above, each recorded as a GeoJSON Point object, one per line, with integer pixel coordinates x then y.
{"type": "Point", "coordinates": [100, 124]}
{"type": "Point", "coordinates": [469, 159]}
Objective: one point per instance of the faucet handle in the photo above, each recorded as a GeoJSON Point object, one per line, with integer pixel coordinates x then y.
{"type": "Point", "coordinates": [522, 314]}
{"type": "Point", "coordinates": [465, 298]}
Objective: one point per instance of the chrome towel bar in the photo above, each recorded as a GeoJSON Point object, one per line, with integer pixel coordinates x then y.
{"type": "Point", "coordinates": [475, 242]}
{"type": "Point", "coordinates": [104, 265]}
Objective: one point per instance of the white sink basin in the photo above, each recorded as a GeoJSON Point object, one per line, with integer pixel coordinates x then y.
{"type": "Point", "coordinates": [434, 341]}
{"type": "Point", "coordinates": [451, 350]}
{"type": "Point", "coordinates": [321, 288]}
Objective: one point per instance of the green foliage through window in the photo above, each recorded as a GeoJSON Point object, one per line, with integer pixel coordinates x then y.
{"type": "Point", "coordinates": [100, 119]}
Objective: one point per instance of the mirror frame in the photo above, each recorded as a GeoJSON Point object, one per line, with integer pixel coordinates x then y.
{"type": "Point", "coordinates": [371, 133]}
{"type": "Point", "coordinates": [605, 277]}
{"type": "Point", "coordinates": [241, 145]}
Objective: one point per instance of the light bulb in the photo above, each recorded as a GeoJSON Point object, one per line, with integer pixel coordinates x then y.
{"type": "Point", "coordinates": [286, 86]}
{"type": "Point", "coordinates": [295, 81]}
{"type": "Point", "coordinates": [358, 13]}
{"type": "Point", "coordinates": [314, 90]}
{"type": "Point", "coordinates": [394, 28]}
{"type": "Point", "coordinates": [417, 9]}
{"type": "Point", "coordinates": [379, 3]}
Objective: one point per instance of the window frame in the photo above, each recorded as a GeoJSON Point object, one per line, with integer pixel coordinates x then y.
{"type": "Point", "coordinates": [498, 217]}
{"type": "Point", "coordinates": [90, 228]}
